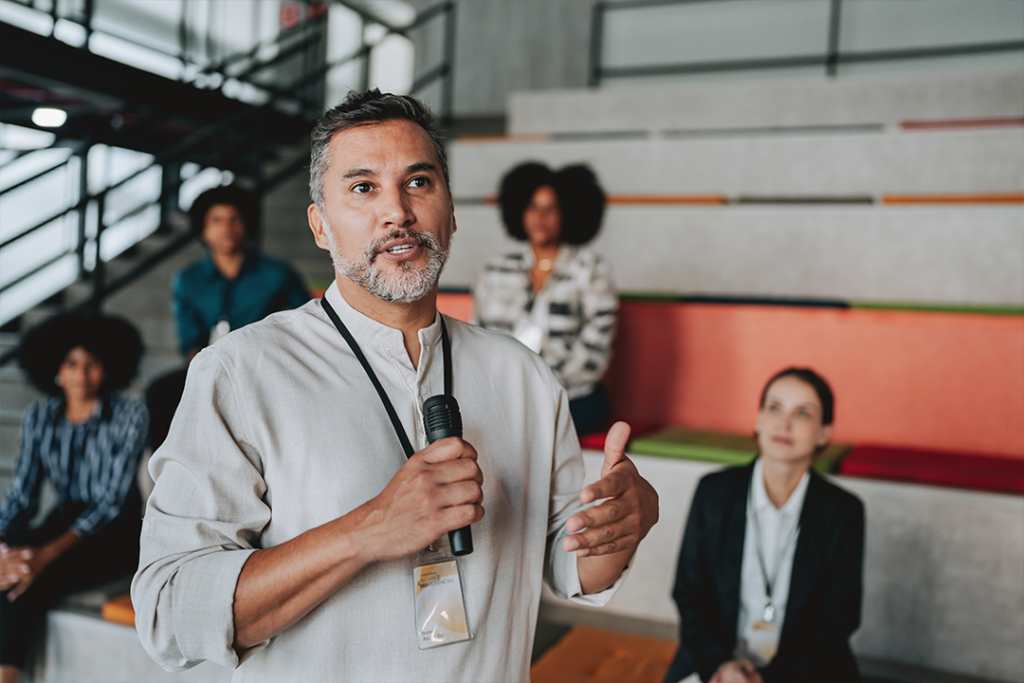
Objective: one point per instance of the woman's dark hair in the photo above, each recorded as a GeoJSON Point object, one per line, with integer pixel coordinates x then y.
{"type": "Point", "coordinates": [816, 381]}
{"type": "Point", "coordinates": [580, 199]}
{"type": "Point", "coordinates": [232, 195]}
{"type": "Point", "coordinates": [114, 341]}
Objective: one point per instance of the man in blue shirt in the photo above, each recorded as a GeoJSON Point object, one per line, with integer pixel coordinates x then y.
{"type": "Point", "coordinates": [234, 285]}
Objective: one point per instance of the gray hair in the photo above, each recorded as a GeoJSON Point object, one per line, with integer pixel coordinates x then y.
{"type": "Point", "coordinates": [365, 109]}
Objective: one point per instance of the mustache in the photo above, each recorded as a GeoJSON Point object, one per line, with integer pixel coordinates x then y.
{"type": "Point", "coordinates": [425, 239]}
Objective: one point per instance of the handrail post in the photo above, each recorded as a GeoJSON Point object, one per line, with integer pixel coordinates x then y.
{"type": "Point", "coordinates": [170, 185]}
{"type": "Point", "coordinates": [448, 85]}
{"type": "Point", "coordinates": [98, 274]}
{"type": "Point", "coordinates": [257, 174]}
{"type": "Point", "coordinates": [364, 65]}
{"type": "Point", "coordinates": [832, 58]}
{"type": "Point", "coordinates": [83, 203]}
{"type": "Point", "coordinates": [596, 44]}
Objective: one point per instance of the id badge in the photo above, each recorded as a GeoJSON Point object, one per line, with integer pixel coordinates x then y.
{"type": "Point", "coordinates": [440, 603]}
{"type": "Point", "coordinates": [220, 330]}
{"type": "Point", "coordinates": [763, 641]}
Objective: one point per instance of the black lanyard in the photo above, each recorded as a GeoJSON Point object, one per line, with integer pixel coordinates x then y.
{"type": "Point", "coordinates": [395, 422]}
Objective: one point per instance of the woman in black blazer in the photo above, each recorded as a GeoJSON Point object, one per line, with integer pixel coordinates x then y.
{"type": "Point", "coordinates": [721, 581]}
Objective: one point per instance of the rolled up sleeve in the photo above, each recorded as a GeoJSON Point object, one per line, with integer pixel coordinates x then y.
{"type": "Point", "coordinates": [203, 521]}
{"type": "Point", "coordinates": [561, 570]}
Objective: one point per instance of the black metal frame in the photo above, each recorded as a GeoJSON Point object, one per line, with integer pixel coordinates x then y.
{"type": "Point", "coordinates": [295, 41]}
{"type": "Point", "coordinates": [829, 61]}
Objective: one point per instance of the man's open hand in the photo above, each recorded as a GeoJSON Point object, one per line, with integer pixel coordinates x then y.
{"type": "Point", "coordinates": [629, 508]}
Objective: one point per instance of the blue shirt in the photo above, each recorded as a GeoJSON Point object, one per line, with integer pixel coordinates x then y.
{"type": "Point", "coordinates": [94, 463]}
{"type": "Point", "coordinates": [264, 285]}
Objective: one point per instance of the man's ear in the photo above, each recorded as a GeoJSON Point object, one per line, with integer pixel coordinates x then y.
{"type": "Point", "coordinates": [824, 436]}
{"type": "Point", "coordinates": [316, 224]}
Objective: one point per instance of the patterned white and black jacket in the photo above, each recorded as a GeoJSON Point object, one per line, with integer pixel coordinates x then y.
{"type": "Point", "coordinates": [573, 315]}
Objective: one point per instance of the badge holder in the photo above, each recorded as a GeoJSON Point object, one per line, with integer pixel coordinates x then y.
{"type": "Point", "coordinates": [439, 597]}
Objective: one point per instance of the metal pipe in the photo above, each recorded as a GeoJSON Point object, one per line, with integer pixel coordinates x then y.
{"type": "Point", "coordinates": [596, 44]}
{"type": "Point", "coordinates": [832, 57]}
{"type": "Point", "coordinates": [448, 84]}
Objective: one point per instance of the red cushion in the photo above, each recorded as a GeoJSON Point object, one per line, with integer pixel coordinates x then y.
{"type": "Point", "coordinates": [637, 428]}
{"type": "Point", "coordinates": [968, 470]}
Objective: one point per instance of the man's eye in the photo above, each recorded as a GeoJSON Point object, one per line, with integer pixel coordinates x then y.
{"type": "Point", "coordinates": [362, 188]}
{"type": "Point", "coordinates": [419, 182]}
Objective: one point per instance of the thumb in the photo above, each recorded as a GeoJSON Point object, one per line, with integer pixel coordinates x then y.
{"type": "Point", "coordinates": [615, 446]}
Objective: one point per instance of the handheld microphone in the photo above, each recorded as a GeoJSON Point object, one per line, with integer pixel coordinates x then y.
{"type": "Point", "coordinates": [441, 418]}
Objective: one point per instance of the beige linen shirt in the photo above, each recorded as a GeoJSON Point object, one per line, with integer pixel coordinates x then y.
{"type": "Point", "coordinates": [279, 431]}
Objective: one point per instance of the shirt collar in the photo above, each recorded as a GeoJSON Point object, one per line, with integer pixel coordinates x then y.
{"type": "Point", "coordinates": [762, 504]}
{"type": "Point", "coordinates": [365, 328]}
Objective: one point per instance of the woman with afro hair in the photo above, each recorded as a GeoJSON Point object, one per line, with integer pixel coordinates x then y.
{"type": "Point", "coordinates": [553, 294]}
{"type": "Point", "coordinates": [87, 440]}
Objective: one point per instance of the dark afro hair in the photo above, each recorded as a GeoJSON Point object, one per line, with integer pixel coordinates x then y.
{"type": "Point", "coordinates": [114, 341]}
{"type": "Point", "coordinates": [232, 195]}
{"type": "Point", "coordinates": [580, 199]}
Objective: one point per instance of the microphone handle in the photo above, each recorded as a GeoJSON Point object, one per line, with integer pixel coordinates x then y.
{"type": "Point", "coordinates": [441, 418]}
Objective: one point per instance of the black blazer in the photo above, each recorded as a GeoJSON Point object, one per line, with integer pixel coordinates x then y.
{"type": "Point", "coordinates": [823, 608]}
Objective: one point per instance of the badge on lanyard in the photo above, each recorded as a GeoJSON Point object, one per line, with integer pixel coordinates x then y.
{"type": "Point", "coordinates": [763, 641]}
{"type": "Point", "coordinates": [439, 598]}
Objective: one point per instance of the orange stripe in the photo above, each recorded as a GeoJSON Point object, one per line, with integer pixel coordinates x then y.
{"type": "Point", "coordinates": [945, 124]}
{"type": "Point", "coordinates": [1007, 198]}
{"type": "Point", "coordinates": [667, 199]}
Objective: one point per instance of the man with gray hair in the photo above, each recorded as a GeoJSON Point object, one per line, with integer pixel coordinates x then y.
{"type": "Point", "coordinates": [297, 527]}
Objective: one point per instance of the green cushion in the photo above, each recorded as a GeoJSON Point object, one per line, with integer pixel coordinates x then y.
{"type": "Point", "coordinates": [728, 449]}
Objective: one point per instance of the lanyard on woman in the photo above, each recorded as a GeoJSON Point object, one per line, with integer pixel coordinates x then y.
{"type": "Point", "coordinates": [395, 422]}
{"type": "Point", "coordinates": [769, 581]}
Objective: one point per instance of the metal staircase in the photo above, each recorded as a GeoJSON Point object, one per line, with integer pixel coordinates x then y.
{"type": "Point", "coordinates": [93, 218]}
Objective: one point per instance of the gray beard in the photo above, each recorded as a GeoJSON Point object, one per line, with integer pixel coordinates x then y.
{"type": "Point", "coordinates": [406, 286]}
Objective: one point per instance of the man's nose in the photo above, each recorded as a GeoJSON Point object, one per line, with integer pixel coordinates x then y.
{"type": "Point", "coordinates": [396, 210]}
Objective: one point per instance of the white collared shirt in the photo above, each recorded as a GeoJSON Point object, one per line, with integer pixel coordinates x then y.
{"type": "Point", "coordinates": [779, 532]}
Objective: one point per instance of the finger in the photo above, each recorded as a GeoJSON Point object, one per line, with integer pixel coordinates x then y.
{"type": "Point", "coordinates": [26, 554]}
{"type": "Point", "coordinates": [614, 484]}
{"type": "Point", "coordinates": [16, 592]}
{"type": "Point", "coordinates": [448, 448]}
{"type": "Point", "coordinates": [451, 472]}
{"type": "Point", "coordinates": [25, 569]}
{"type": "Point", "coordinates": [619, 534]}
{"type": "Point", "coordinates": [615, 445]}
{"type": "Point", "coordinates": [459, 493]}
{"type": "Point", "coordinates": [608, 512]}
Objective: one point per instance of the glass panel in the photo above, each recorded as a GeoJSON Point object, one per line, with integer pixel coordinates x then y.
{"type": "Point", "coordinates": [896, 24]}
{"type": "Point", "coordinates": [715, 31]}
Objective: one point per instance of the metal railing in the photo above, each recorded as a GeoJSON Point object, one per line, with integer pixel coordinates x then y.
{"type": "Point", "coordinates": [288, 44]}
{"type": "Point", "coordinates": [829, 60]}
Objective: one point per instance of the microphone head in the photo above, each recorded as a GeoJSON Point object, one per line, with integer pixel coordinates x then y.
{"type": "Point", "coordinates": [441, 417]}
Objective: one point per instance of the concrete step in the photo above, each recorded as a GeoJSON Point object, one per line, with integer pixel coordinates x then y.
{"type": "Point", "coordinates": [967, 256]}
{"type": "Point", "coordinates": [778, 103]}
{"type": "Point", "coordinates": [840, 165]}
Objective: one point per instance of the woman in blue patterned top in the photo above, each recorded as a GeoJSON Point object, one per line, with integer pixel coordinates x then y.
{"type": "Point", "coordinates": [555, 295]}
{"type": "Point", "coordinates": [87, 440]}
